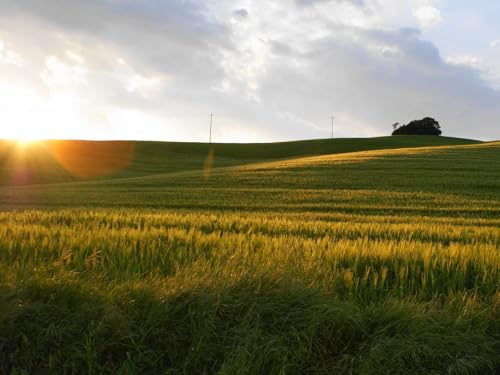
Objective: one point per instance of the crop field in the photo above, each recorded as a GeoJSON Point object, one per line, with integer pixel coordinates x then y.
{"type": "Point", "coordinates": [319, 257]}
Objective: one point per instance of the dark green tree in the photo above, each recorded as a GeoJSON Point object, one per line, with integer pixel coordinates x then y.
{"type": "Point", "coordinates": [426, 126]}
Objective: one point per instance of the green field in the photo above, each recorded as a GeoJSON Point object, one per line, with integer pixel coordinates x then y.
{"type": "Point", "coordinates": [349, 256]}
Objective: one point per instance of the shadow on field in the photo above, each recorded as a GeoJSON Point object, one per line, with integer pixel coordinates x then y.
{"type": "Point", "coordinates": [246, 326]}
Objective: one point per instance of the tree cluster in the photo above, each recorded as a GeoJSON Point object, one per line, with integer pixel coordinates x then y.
{"type": "Point", "coordinates": [426, 126]}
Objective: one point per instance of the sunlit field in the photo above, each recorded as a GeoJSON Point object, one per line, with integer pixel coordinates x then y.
{"type": "Point", "coordinates": [322, 257]}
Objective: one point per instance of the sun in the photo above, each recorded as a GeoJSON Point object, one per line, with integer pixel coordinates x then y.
{"type": "Point", "coordinates": [28, 117]}
{"type": "Point", "coordinates": [23, 120]}
{"type": "Point", "coordinates": [24, 142]}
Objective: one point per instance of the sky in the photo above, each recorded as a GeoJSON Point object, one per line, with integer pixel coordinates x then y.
{"type": "Point", "coordinates": [272, 70]}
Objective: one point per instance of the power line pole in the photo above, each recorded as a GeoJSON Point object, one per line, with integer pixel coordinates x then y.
{"type": "Point", "coordinates": [333, 117]}
{"type": "Point", "coordinates": [211, 120]}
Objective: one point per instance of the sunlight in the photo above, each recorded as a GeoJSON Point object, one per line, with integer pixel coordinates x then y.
{"type": "Point", "coordinates": [26, 142]}
{"type": "Point", "coordinates": [27, 117]}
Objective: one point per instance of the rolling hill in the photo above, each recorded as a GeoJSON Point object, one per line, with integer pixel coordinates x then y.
{"type": "Point", "coordinates": [317, 257]}
{"type": "Point", "coordinates": [64, 161]}
{"type": "Point", "coordinates": [181, 180]}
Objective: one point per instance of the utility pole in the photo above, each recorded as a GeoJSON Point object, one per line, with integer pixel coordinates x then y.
{"type": "Point", "coordinates": [333, 117]}
{"type": "Point", "coordinates": [211, 120]}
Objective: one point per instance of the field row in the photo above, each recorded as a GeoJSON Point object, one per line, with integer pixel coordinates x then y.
{"type": "Point", "coordinates": [356, 259]}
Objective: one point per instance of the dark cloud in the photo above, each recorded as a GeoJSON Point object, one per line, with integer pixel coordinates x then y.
{"type": "Point", "coordinates": [100, 16]}
{"type": "Point", "coordinates": [378, 89]}
{"type": "Point", "coordinates": [280, 48]}
{"type": "Point", "coordinates": [306, 3]}
{"type": "Point", "coordinates": [241, 13]}
{"type": "Point", "coordinates": [174, 38]}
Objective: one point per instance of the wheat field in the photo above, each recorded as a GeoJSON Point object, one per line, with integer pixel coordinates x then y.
{"type": "Point", "coordinates": [370, 262]}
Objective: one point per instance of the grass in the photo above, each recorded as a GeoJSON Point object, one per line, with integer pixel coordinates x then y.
{"type": "Point", "coordinates": [370, 262]}
{"type": "Point", "coordinates": [66, 161]}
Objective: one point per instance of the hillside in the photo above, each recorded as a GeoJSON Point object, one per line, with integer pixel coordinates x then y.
{"type": "Point", "coordinates": [64, 161]}
{"type": "Point", "coordinates": [312, 182]}
{"type": "Point", "coordinates": [366, 262]}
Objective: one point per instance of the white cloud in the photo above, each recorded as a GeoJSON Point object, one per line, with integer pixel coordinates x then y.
{"type": "Point", "coordinates": [465, 60]}
{"type": "Point", "coordinates": [8, 56]}
{"type": "Point", "coordinates": [427, 16]}
{"type": "Point", "coordinates": [76, 58]}
{"type": "Point", "coordinates": [488, 72]}
{"type": "Point", "coordinates": [60, 74]}
{"type": "Point", "coordinates": [13, 58]}
{"type": "Point", "coordinates": [272, 73]}
{"type": "Point", "coordinates": [495, 43]}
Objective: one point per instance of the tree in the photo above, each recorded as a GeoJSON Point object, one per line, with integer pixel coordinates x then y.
{"type": "Point", "coordinates": [426, 126]}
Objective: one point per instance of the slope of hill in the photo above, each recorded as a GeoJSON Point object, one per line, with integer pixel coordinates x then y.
{"type": "Point", "coordinates": [63, 161]}
{"type": "Point", "coordinates": [369, 262]}
{"type": "Point", "coordinates": [466, 170]}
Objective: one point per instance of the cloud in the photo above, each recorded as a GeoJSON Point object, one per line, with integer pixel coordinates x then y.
{"type": "Point", "coordinates": [306, 3]}
{"type": "Point", "coordinates": [280, 74]}
{"type": "Point", "coordinates": [171, 48]}
{"type": "Point", "coordinates": [495, 43]}
{"type": "Point", "coordinates": [465, 60]}
{"type": "Point", "coordinates": [240, 13]}
{"type": "Point", "coordinates": [148, 31]}
{"type": "Point", "coordinates": [428, 16]}
{"type": "Point", "coordinates": [377, 89]}
{"type": "Point", "coordinates": [280, 48]}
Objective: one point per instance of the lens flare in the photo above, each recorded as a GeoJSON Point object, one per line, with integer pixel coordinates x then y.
{"type": "Point", "coordinates": [90, 159]}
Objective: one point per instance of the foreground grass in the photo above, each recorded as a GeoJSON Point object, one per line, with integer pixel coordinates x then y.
{"type": "Point", "coordinates": [368, 263]}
